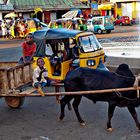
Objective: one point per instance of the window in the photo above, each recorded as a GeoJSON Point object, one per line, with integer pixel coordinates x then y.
{"type": "Point", "coordinates": [89, 43]}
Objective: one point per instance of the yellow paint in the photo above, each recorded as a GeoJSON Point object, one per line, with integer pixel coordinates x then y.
{"type": "Point", "coordinates": [134, 12]}
{"type": "Point", "coordinates": [38, 9]}
{"type": "Point", "coordinates": [119, 11]}
{"type": "Point", "coordinates": [105, 7]}
{"type": "Point", "coordinates": [65, 66]}
{"type": "Point", "coordinates": [84, 57]}
{"type": "Point", "coordinates": [84, 0]}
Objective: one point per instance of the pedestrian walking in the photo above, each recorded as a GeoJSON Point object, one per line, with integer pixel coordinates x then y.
{"type": "Point", "coordinates": [4, 28]}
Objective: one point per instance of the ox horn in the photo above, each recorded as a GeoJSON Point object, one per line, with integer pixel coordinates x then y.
{"type": "Point", "coordinates": [136, 84]}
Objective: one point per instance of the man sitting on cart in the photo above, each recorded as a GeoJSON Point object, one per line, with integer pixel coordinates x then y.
{"type": "Point", "coordinates": [40, 76]}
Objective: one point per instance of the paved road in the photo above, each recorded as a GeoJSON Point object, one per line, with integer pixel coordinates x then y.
{"type": "Point", "coordinates": [6, 43]}
{"type": "Point", "coordinates": [121, 36]}
{"type": "Point", "coordinates": [38, 117]}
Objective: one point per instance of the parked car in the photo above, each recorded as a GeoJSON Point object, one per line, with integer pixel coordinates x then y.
{"type": "Point", "coordinates": [123, 20]}
{"type": "Point", "coordinates": [100, 24]}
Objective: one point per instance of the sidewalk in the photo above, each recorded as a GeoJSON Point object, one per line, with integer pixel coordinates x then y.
{"type": "Point", "coordinates": [120, 44]}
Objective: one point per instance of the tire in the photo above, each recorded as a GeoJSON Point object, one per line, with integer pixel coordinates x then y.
{"type": "Point", "coordinates": [10, 37]}
{"type": "Point", "coordinates": [121, 24]}
{"type": "Point", "coordinates": [14, 102]}
{"type": "Point", "coordinates": [99, 31]}
{"type": "Point", "coordinates": [108, 31]}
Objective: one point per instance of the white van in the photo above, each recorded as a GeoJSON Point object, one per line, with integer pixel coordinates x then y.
{"type": "Point", "coordinates": [100, 24]}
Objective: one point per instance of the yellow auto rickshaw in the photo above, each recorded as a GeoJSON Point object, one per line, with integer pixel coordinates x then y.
{"type": "Point", "coordinates": [30, 25]}
{"type": "Point", "coordinates": [70, 23]}
{"type": "Point", "coordinates": [81, 48]}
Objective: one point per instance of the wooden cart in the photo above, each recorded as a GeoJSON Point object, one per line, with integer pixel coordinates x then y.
{"type": "Point", "coordinates": [12, 78]}
{"type": "Point", "coordinates": [16, 83]}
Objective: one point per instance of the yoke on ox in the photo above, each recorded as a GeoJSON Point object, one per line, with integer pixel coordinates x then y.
{"type": "Point", "coordinates": [84, 79]}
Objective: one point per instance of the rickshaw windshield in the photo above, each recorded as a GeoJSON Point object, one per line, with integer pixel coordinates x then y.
{"type": "Point", "coordinates": [89, 43]}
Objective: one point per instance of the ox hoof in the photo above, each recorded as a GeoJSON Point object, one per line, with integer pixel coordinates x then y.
{"type": "Point", "coordinates": [83, 124]}
{"type": "Point", "coordinates": [60, 118]}
{"type": "Point", "coordinates": [109, 129]}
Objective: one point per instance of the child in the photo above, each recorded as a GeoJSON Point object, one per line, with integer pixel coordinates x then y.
{"type": "Point", "coordinates": [40, 76]}
{"type": "Point", "coordinates": [28, 50]}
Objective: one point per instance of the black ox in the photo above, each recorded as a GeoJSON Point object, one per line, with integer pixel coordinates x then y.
{"type": "Point", "coordinates": [84, 79]}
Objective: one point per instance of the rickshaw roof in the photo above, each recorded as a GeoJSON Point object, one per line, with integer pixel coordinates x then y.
{"type": "Point", "coordinates": [51, 34]}
{"type": "Point", "coordinates": [58, 33]}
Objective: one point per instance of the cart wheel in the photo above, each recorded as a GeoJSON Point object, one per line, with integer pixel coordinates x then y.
{"type": "Point", "coordinates": [14, 102]}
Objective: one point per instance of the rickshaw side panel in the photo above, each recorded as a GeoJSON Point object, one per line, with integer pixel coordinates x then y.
{"type": "Point", "coordinates": [13, 76]}
{"type": "Point", "coordinates": [65, 66]}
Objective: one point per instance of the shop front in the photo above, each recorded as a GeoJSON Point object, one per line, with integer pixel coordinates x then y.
{"type": "Point", "coordinates": [107, 9]}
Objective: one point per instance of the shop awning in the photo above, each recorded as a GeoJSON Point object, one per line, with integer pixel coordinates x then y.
{"type": "Point", "coordinates": [70, 14]}
{"type": "Point", "coordinates": [84, 0]}
{"type": "Point", "coordinates": [105, 6]}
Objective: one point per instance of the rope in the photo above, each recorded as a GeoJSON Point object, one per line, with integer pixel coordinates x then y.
{"type": "Point", "coordinates": [119, 94]}
{"type": "Point", "coordinates": [136, 83]}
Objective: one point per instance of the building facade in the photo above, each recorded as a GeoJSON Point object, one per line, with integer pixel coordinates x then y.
{"type": "Point", "coordinates": [45, 10]}
{"type": "Point", "coordinates": [115, 7]}
{"type": "Point", "coordinates": [127, 8]}
{"type": "Point", "coordinates": [5, 8]}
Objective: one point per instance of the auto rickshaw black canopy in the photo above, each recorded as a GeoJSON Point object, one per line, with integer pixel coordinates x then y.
{"type": "Point", "coordinates": [41, 36]}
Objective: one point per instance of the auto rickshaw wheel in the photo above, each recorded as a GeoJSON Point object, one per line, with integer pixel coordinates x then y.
{"type": "Point", "coordinates": [10, 37]}
{"type": "Point", "coordinates": [121, 24]}
{"type": "Point", "coordinates": [99, 31]}
{"type": "Point", "coordinates": [14, 102]}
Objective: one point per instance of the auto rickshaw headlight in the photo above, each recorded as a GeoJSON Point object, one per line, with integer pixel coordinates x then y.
{"type": "Point", "coordinates": [90, 62]}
